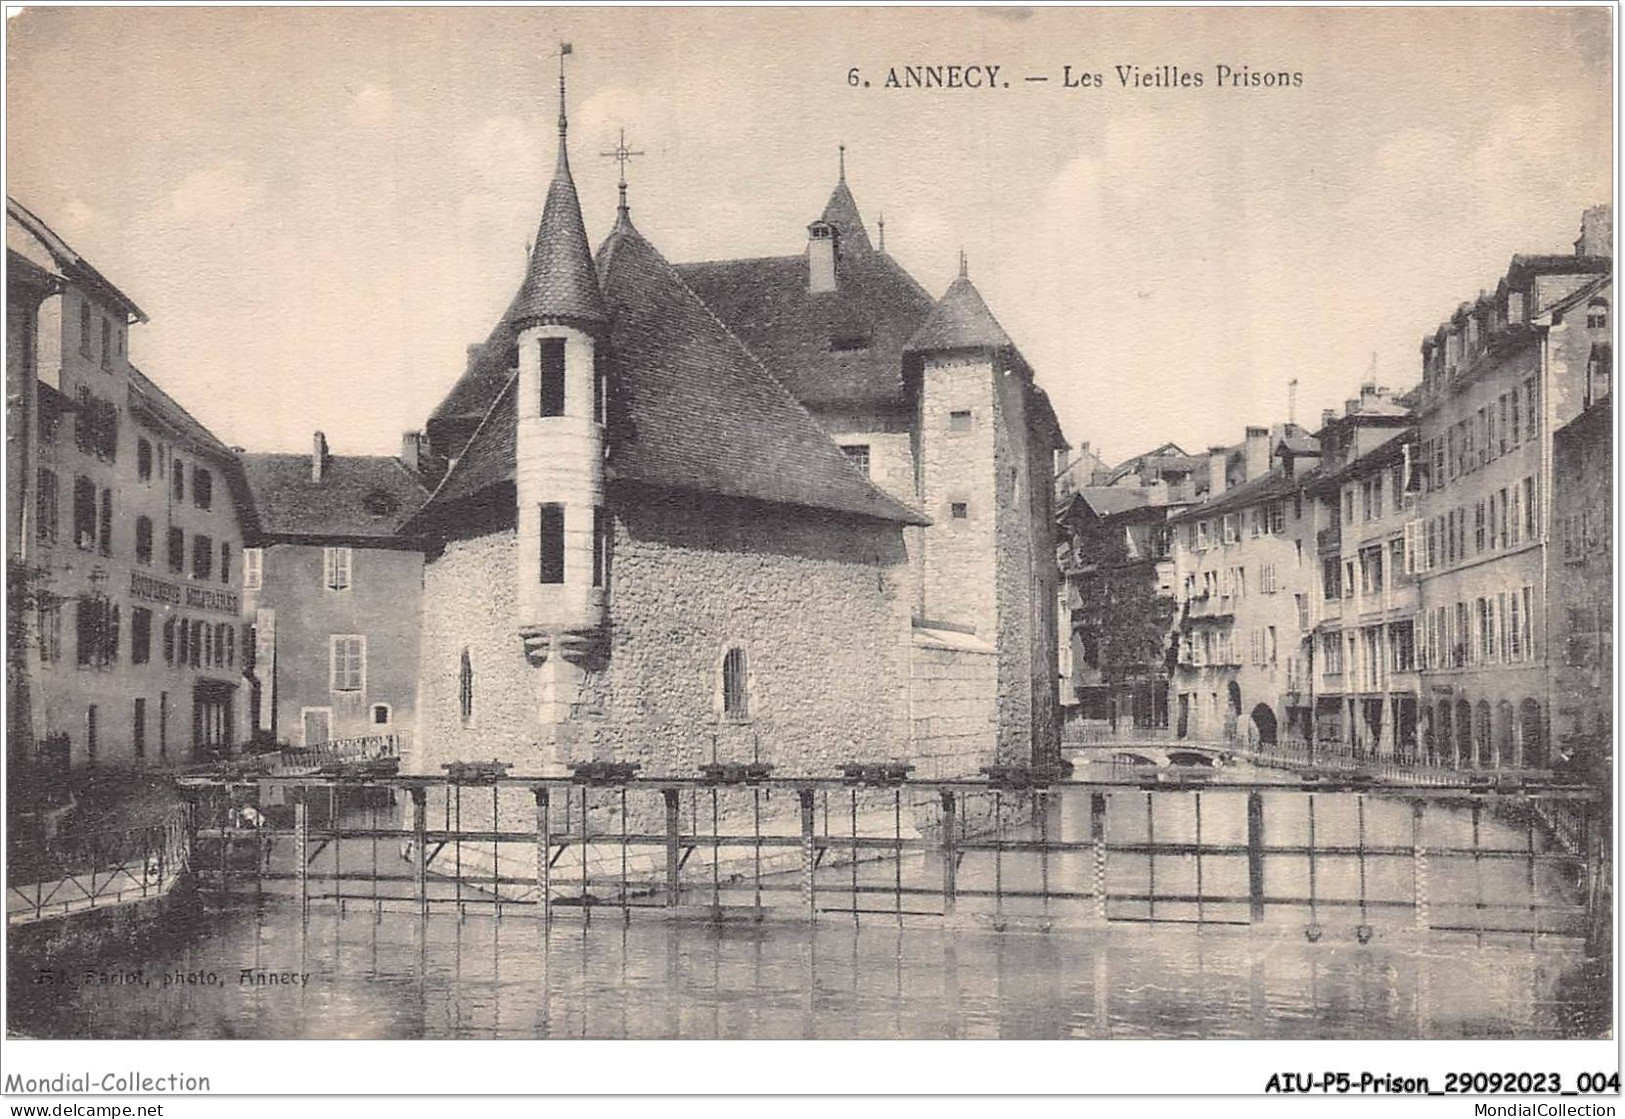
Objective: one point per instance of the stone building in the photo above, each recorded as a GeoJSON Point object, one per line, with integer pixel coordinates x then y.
{"type": "Point", "coordinates": [130, 517]}
{"type": "Point", "coordinates": [785, 509]}
{"type": "Point", "coordinates": [1499, 378]}
{"type": "Point", "coordinates": [1365, 683]}
{"type": "Point", "coordinates": [1241, 557]}
{"type": "Point", "coordinates": [1117, 564]}
{"type": "Point", "coordinates": [1580, 629]}
{"type": "Point", "coordinates": [335, 591]}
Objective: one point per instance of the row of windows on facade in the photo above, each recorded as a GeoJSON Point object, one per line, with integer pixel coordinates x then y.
{"type": "Point", "coordinates": [96, 433]}
{"type": "Point", "coordinates": [735, 679]}
{"type": "Point", "coordinates": [1230, 582]}
{"type": "Point", "coordinates": [138, 727]}
{"type": "Point", "coordinates": [1368, 572]}
{"type": "Point", "coordinates": [1391, 646]}
{"type": "Point", "coordinates": [1366, 496]}
{"type": "Point", "coordinates": [1262, 520]}
{"type": "Point", "coordinates": [1500, 520]}
{"type": "Point", "coordinates": [111, 337]}
{"type": "Point", "coordinates": [1583, 533]}
{"type": "Point", "coordinates": [1211, 649]}
{"type": "Point", "coordinates": [1494, 430]}
{"type": "Point", "coordinates": [93, 529]}
{"type": "Point", "coordinates": [151, 459]}
{"type": "Point", "coordinates": [97, 633]}
{"type": "Point", "coordinates": [1489, 630]}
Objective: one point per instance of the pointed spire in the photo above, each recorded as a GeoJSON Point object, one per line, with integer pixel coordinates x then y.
{"type": "Point", "coordinates": [841, 211]}
{"type": "Point", "coordinates": [964, 266]}
{"type": "Point", "coordinates": [561, 285]}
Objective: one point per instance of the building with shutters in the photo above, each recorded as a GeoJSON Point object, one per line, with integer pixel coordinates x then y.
{"type": "Point", "coordinates": [129, 518]}
{"type": "Point", "coordinates": [1500, 377]}
{"type": "Point", "coordinates": [335, 594]}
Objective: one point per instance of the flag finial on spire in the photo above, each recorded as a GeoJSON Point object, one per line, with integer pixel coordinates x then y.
{"type": "Point", "coordinates": [564, 122]}
{"type": "Point", "coordinates": [843, 163]}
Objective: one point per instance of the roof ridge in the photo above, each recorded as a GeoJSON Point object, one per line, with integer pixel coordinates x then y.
{"type": "Point", "coordinates": [721, 260]}
{"type": "Point", "coordinates": [773, 380]}
{"type": "Point", "coordinates": [220, 444]}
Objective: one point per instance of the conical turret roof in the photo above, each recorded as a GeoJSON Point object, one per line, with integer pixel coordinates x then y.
{"type": "Point", "coordinates": [959, 321]}
{"type": "Point", "coordinates": [841, 211]}
{"type": "Point", "coordinates": [561, 284]}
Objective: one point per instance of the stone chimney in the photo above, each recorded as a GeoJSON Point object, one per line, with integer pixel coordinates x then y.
{"type": "Point", "coordinates": [821, 250]}
{"type": "Point", "coordinates": [1351, 407]}
{"type": "Point", "coordinates": [1217, 458]}
{"type": "Point", "coordinates": [318, 457]}
{"type": "Point", "coordinates": [1328, 416]}
{"type": "Point", "coordinates": [1257, 453]}
{"type": "Point", "coordinates": [412, 451]}
{"type": "Point", "coordinates": [1596, 232]}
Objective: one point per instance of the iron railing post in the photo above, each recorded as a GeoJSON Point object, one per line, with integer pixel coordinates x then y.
{"type": "Point", "coordinates": [809, 854]}
{"type": "Point", "coordinates": [1419, 865]}
{"type": "Point", "coordinates": [673, 847]}
{"type": "Point", "coordinates": [301, 847]}
{"type": "Point", "coordinates": [950, 849]}
{"type": "Point", "coordinates": [420, 847]}
{"type": "Point", "coordinates": [544, 856]}
{"type": "Point", "coordinates": [1097, 835]}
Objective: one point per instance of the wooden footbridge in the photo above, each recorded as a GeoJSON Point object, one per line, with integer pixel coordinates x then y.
{"type": "Point", "coordinates": [1340, 855]}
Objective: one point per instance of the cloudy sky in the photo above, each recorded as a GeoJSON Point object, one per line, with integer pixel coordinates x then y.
{"type": "Point", "coordinates": [320, 209]}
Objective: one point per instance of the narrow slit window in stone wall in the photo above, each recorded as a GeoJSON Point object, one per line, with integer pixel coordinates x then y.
{"type": "Point", "coordinates": [735, 695]}
{"type": "Point", "coordinates": [551, 532]}
{"type": "Point", "coordinates": [465, 687]}
{"type": "Point", "coordinates": [552, 391]}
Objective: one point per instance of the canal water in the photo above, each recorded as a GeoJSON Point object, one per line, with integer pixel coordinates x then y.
{"type": "Point", "coordinates": [257, 969]}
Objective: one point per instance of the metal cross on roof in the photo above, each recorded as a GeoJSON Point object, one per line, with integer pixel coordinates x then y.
{"type": "Point", "coordinates": [620, 155]}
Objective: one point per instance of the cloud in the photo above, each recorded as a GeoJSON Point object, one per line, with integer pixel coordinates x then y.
{"type": "Point", "coordinates": [371, 104]}
{"type": "Point", "coordinates": [212, 195]}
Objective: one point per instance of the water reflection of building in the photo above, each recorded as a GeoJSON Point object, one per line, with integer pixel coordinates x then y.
{"type": "Point", "coordinates": [132, 514]}
{"type": "Point", "coordinates": [1499, 378]}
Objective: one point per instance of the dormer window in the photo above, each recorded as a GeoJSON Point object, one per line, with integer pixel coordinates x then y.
{"type": "Point", "coordinates": [821, 257]}
{"type": "Point", "coordinates": [843, 342]}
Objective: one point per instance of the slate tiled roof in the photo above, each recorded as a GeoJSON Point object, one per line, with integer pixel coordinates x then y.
{"type": "Point", "coordinates": [959, 321]}
{"type": "Point", "coordinates": [843, 346]}
{"type": "Point", "coordinates": [72, 264]}
{"type": "Point", "coordinates": [560, 284]}
{"type": "Point", "coordinates": [1106, 500]}
{"type": "Point", "coordinates": [1265, 488]}
{"type": "Point", "coordinates": [359, 496]}
{"type": "Point", "coordinates": [690, 407]}
{"type": "Point", "coordinates": [841, 211]}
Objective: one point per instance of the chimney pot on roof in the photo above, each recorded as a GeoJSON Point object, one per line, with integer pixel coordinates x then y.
{"type": "Point", "coordinates": [318, 457]}
{"type": "Point", "coordinates": [1218, 459]}
{"type": "Point", "coordinates": [412, 451]}
{"type": "Point", "coordinates": [821, 250]}
{"type": "Point", "coordinates": [1328, 415]}
{"type": "Point", "coordinates": [1256, 455]}
{"type": "Point", "coordinates": [1596, 232]}
{"type": "Point", "coordinates": [1351, 407]}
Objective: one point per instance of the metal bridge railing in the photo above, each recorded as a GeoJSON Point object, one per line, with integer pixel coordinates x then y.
{"type": "Point", "coordinates": [1181, 847]}
{"type": "Point", "coordinates": [96, 870]}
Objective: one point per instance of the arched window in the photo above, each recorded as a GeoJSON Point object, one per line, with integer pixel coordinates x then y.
{"type": "Point", "coordinates": [1503, 735]}
{"type": "Point", "coordinates": [1532, 731]}
{"type": "Point", "coordinates": [1481, 733]}
{"type": "Point", "coordinates": [735, 685]}
{"type": "Point", "coordinates": [380, 714]}
{"type": "Point", "coordinates": [465, 687]}
{"type": "Point", "coordinates": [1597, 315]}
